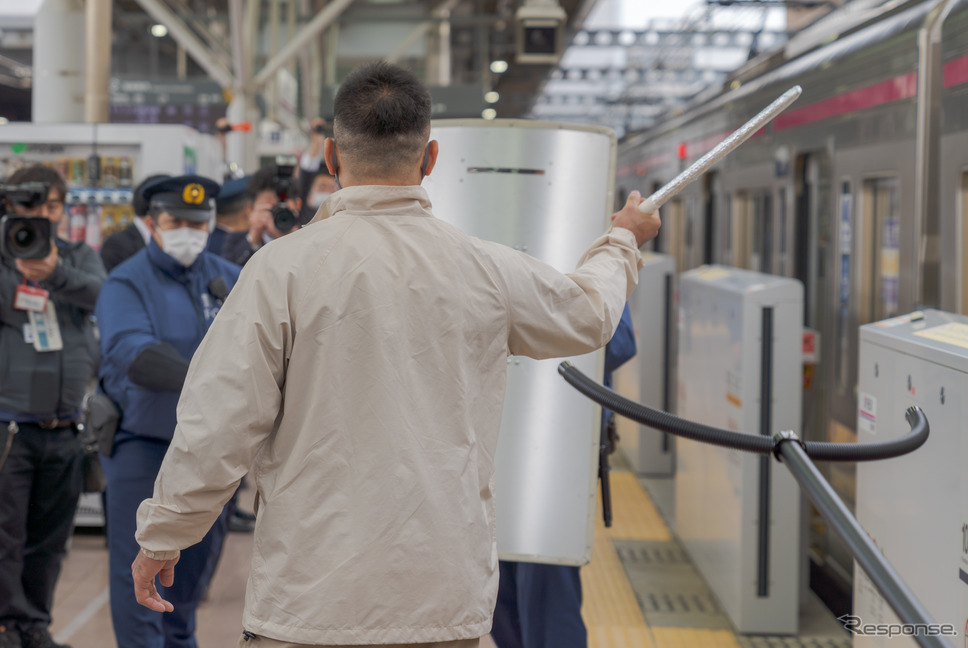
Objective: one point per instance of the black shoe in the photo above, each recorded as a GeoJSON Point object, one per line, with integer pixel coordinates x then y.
{"type": "Point", "coordinates": [239, 524]}
{"type": "Point", "coordinates": [39, 638]}
{"type": "Point", "coordinates": [9, 638]}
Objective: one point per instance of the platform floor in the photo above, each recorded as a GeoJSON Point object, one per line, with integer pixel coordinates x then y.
{"type": "Point", "coordinates": [640, 589]}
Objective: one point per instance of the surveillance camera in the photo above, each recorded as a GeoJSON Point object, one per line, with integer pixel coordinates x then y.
{"type": "Point", "coordinates": [540, 26]}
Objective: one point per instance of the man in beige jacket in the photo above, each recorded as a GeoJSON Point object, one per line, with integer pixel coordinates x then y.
{"type": "Point", "coordinates": [358, 370]}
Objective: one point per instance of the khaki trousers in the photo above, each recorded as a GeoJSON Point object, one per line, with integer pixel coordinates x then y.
{"type": "Point", "coordinates": [265, 642]}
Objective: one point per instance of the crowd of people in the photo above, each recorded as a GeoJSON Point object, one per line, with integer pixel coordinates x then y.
{"type": "Point", "coordinates": [357, 372]}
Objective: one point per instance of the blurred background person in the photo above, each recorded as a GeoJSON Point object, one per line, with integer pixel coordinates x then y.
{"type": "Point", "coordinates": [48, 356]}
{"type": "Point", "coordinates": [232, 208]}
{"type": "Point", "coordinates": [266, 190]}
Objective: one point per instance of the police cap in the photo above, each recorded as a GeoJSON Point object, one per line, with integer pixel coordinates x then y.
{"type": "Point", "coordinates": [187, 197]}
{"type": "Point", "coordinates": [232, 191]}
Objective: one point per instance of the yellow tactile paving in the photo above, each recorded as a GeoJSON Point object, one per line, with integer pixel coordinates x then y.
{"type": "Point", "coordinates": [609, 608]}
{"type": "Point", "coordinates": [693, 638]}
{"type": "Point", "coordinates": [634, 517]}
{"type": "Point", "coordinates": [610, 611]}
{"type": "Point", "coordinates": [619, 637]}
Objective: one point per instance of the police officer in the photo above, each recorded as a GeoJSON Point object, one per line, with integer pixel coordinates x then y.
{"type": "Point", "coordinates": [153, 312]}
{"type": "Point", "coordinates": [232, 208]}
{"type": "Point", "coordinates": [47, 357]}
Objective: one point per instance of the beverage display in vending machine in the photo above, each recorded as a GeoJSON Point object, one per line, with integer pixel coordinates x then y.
{"type": "Point", "coordinates": [77, 222]}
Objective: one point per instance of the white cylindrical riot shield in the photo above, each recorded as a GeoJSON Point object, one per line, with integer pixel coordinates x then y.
{"type": "Point", "coordinates": [546, 189]}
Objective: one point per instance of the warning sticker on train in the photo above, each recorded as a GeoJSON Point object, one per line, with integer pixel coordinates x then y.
{"type": "Point", "coordinates": [950, 333]}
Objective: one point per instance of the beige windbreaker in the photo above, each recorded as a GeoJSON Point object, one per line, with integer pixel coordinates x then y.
{"type": "Point", "coordinates": [357, 370]}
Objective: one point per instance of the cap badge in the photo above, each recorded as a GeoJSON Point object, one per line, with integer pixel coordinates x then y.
{"type": "Point", "coordinates": [194, 194]}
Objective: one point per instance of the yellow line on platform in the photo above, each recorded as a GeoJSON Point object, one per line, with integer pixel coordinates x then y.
{"type": "Point", "coordinates": [634, 516]}
{"type": "Point", "coordinates": [609, 608]}
{"type": "Point", "coordinates": [693, 638]}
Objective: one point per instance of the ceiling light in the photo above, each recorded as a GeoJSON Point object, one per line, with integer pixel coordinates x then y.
{"type": "Point", "coordinates": [491, 97]}
{"type": "Point", "coordinates": [159, 31]}
{"type": "Point", "coordinates": [488, 113]}
{"type": "Point", "coordinates": [498, 67]}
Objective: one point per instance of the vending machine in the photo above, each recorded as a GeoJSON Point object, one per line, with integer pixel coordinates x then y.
{"type": "Point", "coordinates": [102, 163]}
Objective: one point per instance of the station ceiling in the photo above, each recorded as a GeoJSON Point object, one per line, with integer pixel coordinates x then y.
{"type": "Point", "coordinates": [450, 43]}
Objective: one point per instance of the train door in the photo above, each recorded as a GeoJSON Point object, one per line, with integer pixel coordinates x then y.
{"type": "Point", "coordinates": [866, 289]}
{"type": "Point", "coordinates": [753, 230]}
{"type": "Point", "coordinates": [711, 193]}
{"type": "Point", "coordinates": [674, 239]}
{"type": "Point", "coordinates": [812, 233]}
{"type": "Point", "coordinates": [726, 237]}
{"type": "Point", "coordinates": [803, 251]}
{"type": "Point", "coordinates": [784, 233]}
{"type": "Point", "coordinates": [693, 235]}
{"type": "Point", "coordinates": [659, 242]}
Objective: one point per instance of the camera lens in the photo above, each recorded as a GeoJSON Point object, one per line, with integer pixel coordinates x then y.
{"type": "Point", "coordinates": [23, 237]}
{"type": "Point", "coordinates": [283, 218]}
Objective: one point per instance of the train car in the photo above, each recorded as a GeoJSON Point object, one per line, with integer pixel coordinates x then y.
{"type": "Point", "coordinates": [858, 190]}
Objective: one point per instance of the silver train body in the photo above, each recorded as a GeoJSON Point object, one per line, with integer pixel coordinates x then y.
{"type": "Point", "coordinates": [859, 190]}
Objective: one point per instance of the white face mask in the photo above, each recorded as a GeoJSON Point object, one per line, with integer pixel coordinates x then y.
{"type": "Point", "coordinates": [184, 244]}
{"type": "Point", "coordinates": [317, 198]}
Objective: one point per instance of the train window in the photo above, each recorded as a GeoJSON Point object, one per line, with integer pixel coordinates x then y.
{"type": "Point", "coordinates": [845, 235]}
{"type": "Point", "coordinates": [879, 287]}
{"type": "Point", "coordinates": [727, 235]}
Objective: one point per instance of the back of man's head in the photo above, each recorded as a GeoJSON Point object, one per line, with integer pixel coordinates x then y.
{"type": "Point", "coordinates": [381, 120]}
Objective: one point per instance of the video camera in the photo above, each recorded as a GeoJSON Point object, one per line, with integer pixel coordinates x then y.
{"type": "Point", "coordinates": [286, 188]}
{"type": "Point", "coordinates": [24, 237]}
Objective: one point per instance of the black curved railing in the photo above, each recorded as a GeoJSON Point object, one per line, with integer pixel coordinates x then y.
{"type": "Point", "coordinates": [796, 454]}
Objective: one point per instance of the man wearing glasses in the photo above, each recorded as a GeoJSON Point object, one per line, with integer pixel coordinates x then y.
{"type": "Point", "coordinates": [48, 356]}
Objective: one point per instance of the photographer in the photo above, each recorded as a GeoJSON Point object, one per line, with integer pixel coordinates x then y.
{"type": "Point", "coordinates": [274, 191]}
{"type": "Point", "coordinates": [48, 355]}
{"type": "Point", "coordinates": [154, 310]}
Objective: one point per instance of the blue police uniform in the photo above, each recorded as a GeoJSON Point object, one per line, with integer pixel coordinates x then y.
{"type": "Point", "coordinates": [154, 306]}
{"type": "Point", "coordinates": [539, 606]}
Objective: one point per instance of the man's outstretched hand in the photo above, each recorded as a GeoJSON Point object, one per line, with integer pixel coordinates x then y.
{"type": "Point", "coordinates": [643, 226]}
{"type": "Point", "coordinates": [143, 571]}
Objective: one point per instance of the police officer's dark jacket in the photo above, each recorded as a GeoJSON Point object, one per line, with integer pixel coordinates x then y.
{"type": "Point", "coordinates": [149, 299]}
{"type": "Point", "coordinates": [50, 384]}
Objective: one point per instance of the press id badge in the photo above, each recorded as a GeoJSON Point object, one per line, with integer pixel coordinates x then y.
{"type": "Point", "coordinates": [30, 299]}
{"type": "Point", "coordinates": [45, 329]}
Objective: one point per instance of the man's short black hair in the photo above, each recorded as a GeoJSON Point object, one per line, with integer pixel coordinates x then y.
{"type": "Point", "coordinates": [381, 119]}
{"type": "Point", "coordinates": [40, 173]}
{"type": "Point", "coordinates": [265, 180]}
